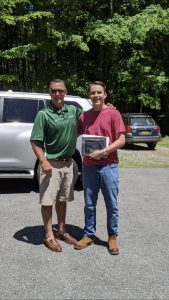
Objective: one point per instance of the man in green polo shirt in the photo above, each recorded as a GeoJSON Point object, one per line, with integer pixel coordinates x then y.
{"type": "Point", "coordinates": [53, 141]}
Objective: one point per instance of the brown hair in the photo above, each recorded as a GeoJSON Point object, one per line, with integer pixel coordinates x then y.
{"type": "Point", "coordinates": [58, 81]}
{"type": "Point", "coordinates": [98, 83]}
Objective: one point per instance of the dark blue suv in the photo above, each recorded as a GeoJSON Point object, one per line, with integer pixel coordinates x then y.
{"type": "Point", "coordinates": [141, 128]}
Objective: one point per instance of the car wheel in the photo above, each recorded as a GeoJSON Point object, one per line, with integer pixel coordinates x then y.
{"type": "Point", "coordinates": [78, 160]}
{"type": "Point", "coordinates": [151, 146]}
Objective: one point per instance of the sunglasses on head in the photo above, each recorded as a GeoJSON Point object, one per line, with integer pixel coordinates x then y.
{"type": "Point", "coordinates": [54, 91]}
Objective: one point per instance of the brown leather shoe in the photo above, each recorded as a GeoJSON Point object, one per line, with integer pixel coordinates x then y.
{"type": "Point", "coordinates": [52, 245]}
{"type": "Point", "coordinates": [66, 237]}
{"type": "Point", "coordinates": [112, 245]}
{"type": "Point", "coordinates": [84, 242]}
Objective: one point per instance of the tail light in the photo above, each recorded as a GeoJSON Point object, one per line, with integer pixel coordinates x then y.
{"type": "Point", "coordinates": [158, 129]}
{"type": "Point", "coordinates": [128, 129]}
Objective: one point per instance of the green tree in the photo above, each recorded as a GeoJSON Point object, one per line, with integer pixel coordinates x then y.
{"type": "Point", "coordinates": [122, 42]}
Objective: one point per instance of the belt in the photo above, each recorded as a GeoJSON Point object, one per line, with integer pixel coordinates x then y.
{"type": "Point", "coordinates": [63, 159]}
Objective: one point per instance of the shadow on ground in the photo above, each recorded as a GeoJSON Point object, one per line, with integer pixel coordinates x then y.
{"type": "Point", "coordinates": [15, 186]}
{"type": "Point", "coordinates": [12, 186]}
{"type": "Point", "coordinates": [137, 147]}
{"type": "Point", "coordinates": [35, 234]}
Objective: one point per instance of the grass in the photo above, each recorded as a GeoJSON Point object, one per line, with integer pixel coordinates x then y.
{"type": "Point", "coordinates": [138, 155]}
{"type": "Point", "coordinates": [164, 142]}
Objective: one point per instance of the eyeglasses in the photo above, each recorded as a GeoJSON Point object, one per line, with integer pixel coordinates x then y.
{"type": "Point", "coordinates": [54, 91]}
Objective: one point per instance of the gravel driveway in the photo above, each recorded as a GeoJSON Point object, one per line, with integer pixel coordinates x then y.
{"type": "Point", "coordinates": [30, 271]}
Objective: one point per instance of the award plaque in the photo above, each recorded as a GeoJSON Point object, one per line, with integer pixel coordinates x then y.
{"type": "Point", "coordinates": [92, 143]}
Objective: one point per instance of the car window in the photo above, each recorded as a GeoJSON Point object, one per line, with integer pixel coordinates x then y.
{"type": "Point", "coordinates": [41, 104]}
{"type": "Point", "coordinates": [141, 121]}
{"type": "Point", "coordinates": [19, 110]}
{"type": "Point", "coordinates": [150, 121]}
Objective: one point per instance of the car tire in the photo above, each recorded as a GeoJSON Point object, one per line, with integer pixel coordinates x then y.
{"type": "Point", "coordinates": [78, 160]}
{"type": "Point", "coordinates": [151, 146]}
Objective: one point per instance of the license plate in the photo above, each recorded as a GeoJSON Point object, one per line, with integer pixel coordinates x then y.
{"type": "Point", "coordinates": [145, 132]}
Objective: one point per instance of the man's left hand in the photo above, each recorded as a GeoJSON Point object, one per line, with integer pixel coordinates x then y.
{"type": "Point", "coordinates": [98, 154]}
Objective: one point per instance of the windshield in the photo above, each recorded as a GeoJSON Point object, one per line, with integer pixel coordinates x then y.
{"type": "Point", "coordinates": [141, 121]}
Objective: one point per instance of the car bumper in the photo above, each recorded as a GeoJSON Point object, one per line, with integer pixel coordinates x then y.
{"type": "Point", "coordinates": [142, 139]}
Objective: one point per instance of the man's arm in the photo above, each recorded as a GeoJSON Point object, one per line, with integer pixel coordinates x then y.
{"type": "Point", "coordinates": [37, 147]}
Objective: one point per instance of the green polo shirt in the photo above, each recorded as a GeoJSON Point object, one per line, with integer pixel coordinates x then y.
{"type": "Point", "coordinates": [57, 129]}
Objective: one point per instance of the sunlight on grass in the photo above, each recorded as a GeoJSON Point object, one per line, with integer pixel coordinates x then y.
{"type": "Point", "coordinates": [144, 158]}
{"type": "Point", "coordinates": [164, 142]}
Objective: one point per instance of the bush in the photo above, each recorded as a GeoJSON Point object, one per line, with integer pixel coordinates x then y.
{"type": "Point", "coordinates": [163, 122]}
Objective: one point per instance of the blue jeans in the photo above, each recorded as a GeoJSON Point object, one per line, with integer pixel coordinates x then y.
{"type": "Point", "coordinates": [105, 178]}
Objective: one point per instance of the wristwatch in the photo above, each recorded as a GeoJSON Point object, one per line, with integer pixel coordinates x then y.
{"type": "Point", "coordinates": [104, 153]}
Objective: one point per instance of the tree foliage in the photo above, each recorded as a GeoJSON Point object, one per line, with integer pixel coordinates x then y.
{"type": "Point", "coordinates": [123, 43]}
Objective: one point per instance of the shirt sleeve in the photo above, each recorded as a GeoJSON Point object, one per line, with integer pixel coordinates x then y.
{"type": "Point", "coordinates": [78, 112]}
{"type": "Point", "coordinates": [118, 123]}
{"type": "Point", "coordinates": [80, 124]}
{"type": "Point", "coordinates": [39, 127]}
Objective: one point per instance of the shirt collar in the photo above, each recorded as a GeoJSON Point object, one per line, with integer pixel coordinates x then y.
{"type": "Point", "coordinates": [51, 105]}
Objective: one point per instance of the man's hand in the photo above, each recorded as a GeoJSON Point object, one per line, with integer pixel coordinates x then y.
{"type": "Point", "coordinates": [110, 106]}
{"type": "Point", "coordinates": [98, 154]}
{"type": "Point", "coordinates": [46, 167]}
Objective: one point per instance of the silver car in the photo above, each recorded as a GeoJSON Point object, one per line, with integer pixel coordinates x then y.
{"type": "Point", "coordinates": [17, 114]}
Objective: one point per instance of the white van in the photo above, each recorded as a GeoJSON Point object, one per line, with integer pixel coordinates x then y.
{"type": "Point", "coordinates": [17, 114]}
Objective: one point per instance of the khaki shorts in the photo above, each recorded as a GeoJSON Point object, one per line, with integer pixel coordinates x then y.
{"type": "Point", "coordinates": [58, 186]}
